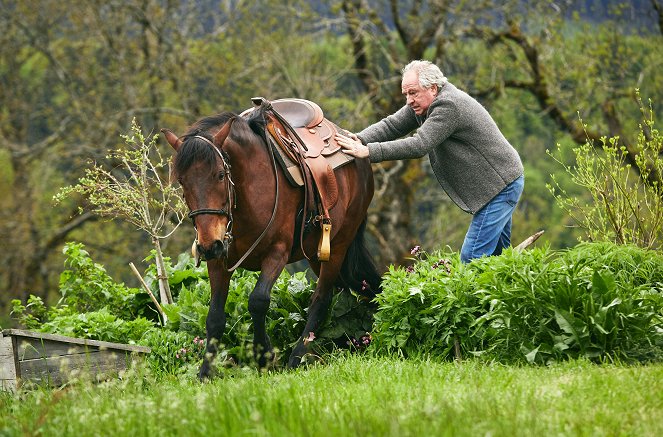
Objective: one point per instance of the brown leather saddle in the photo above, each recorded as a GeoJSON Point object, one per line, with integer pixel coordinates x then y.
{"type": "Point", "coordinates": [309, 153]}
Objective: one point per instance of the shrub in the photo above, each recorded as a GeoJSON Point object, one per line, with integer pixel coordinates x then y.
{"type": "Point", "coordinates": [430, 308]}
{"type": "Point", "coordinates": [349, 318]}
{"type": "Point", "coordinates": [94, 306]}
{"type": "Point", "coordinates": [85, 286]}
{"type": "Point", "coordinates": [91, 305]}
{"type": "Point", "coordinates": [597, 300]}
{"type": "Point", "coordinates": [626, 203]}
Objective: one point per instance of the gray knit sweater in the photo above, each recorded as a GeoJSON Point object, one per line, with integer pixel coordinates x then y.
{"type": "Point", "coordinates": [470, 157]}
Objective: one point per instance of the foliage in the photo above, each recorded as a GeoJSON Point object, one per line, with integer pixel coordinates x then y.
{"type": "Point", "coordinates": [98, 325]}
{"type": "Point", "coordinates": [172, 352]}
{"type": "Point", "coordinates": [349, 318]}
{"type": "Point", "coordinates": [85, 286]}
{"type": "Point", "coordinates": [428, 308]}
{"type": "Point", "coordinates": [94, 306]}
{"type": "Point", "coordinates": [134, 191]}
{"type": "Point", "coordinates": [626, 206]}
{"type": "Point", "coordinates": [91, 305]}
{"type": "Point", "coordinates": [596, 301]}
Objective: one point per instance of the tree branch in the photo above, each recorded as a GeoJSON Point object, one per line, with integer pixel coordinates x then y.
{"type": "Point", "coordinates": [538, 87]}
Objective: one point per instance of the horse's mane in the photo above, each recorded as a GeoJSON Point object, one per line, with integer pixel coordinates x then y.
{"type": "Point", "coordinates": [243, 131]}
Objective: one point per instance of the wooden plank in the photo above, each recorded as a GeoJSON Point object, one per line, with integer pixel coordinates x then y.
{"type": "Point", "coordinates": [81, 341]}
{"type": "Point", "coordinates": [55, 359]}
{"type": "Point", "coordinates": [32, 348]}
{"type": "Point", "coordinates": [55, 371]}
{"type": "Point", "coordinates": [8, 364]}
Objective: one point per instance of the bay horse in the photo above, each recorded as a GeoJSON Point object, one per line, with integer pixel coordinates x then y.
{"type": "Point", "coordinates": [245, 214]}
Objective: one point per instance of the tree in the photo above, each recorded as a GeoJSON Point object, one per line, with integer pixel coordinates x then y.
{"type": "Point", "coordinates": [532, 48]}
{"type": "Point", "coordinates": [137, 192]}
{"type": "Point", "coordinates": [72, 76]}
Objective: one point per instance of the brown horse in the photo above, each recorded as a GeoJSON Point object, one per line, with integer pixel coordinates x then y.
{"type": "Point", "coordinates": [246, 215]}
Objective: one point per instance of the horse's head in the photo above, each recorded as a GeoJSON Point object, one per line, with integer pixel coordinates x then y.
{"type": "Point", "coordinates": [202, 167]}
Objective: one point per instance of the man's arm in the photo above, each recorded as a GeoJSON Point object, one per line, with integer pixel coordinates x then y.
{"type": "Point", "coordinates": [443, 121]}
{"type": "Point", "coordinates": [397, 125]}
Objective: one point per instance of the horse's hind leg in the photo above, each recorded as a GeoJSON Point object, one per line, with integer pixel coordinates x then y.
{"type": "Point", "coordinates": [216, 317]}
{"type": "Point", "coordinates": [259, 305]}
{"type": "Point", "coordinates": [319, 306]}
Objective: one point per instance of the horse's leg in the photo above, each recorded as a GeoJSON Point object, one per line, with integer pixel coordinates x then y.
{"type": "Point", "coordinates": [320, 301]}
{"type": "Point", "coordinates": [215, 323]}
{"type": "Point", "coordinates": [259, 299]}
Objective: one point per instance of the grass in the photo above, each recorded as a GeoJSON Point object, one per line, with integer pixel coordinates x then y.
{"type": "Point", "coordinates": [356, 395]}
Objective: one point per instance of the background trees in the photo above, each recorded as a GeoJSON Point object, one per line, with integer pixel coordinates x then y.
{"type": "Point", "coordinates": [73, 75]}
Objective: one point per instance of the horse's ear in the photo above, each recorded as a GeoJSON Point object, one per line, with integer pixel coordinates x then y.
{"type": "Point", "coordinates": [172, 138]}
{"type": "Point", "coordinates": [222, 134]}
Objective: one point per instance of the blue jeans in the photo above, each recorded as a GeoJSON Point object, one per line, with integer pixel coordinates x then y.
{"type": "Point", "coordinates": [490, 230]}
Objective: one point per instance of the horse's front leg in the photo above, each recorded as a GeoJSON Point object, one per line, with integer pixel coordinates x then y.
{"type": "Point", "coordinates": [259, 305]}
{"type": "Point", "coordinates": [215, 323]}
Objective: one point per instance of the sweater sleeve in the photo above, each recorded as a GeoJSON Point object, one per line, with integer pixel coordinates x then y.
{"type": "Point", "coordinates": [397, 125]}
{"type": "Point", "coordinates": [442, 122]}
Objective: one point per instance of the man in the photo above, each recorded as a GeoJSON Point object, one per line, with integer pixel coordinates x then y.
{"type": "Point", "coordinates": [473, 162]}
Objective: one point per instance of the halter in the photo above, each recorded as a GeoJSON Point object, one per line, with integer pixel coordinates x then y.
{"type": "Point", "coordinates": [232, 199]}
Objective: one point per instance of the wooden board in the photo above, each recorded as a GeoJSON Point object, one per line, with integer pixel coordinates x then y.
{"type": "Point", "coordinates": [55, 359]}
{"type": "Point", "coordinates": [8, 364]}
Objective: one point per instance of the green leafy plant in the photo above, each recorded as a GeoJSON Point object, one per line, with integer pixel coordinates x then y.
{"type": "Point", "coordinates": [626, 205]}
{"type": "Point", "coordinates": [31, 315]}
{"type": "Point", "coordinates": [92, 305]}
{"type": "Point", "coordinates": [135, 191]}
{"type": "Point", "coordinates": [85, 286]}
{"type": "Point", "coordinates": [597, 301]}
{"type": "Point", "coordinates": [429, 308]}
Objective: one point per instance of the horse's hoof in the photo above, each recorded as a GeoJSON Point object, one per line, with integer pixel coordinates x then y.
{"type": "Point", "coordinates": [294, 361]}
{"type": "Point", "coordinates": [205, 373]}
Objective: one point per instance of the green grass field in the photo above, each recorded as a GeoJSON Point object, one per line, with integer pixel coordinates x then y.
{"type": "Point", "coordinates": [356, 396]}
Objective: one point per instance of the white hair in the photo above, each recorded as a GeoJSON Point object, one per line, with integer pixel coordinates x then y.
{"type": "Point", "coordinates": [429, 73]}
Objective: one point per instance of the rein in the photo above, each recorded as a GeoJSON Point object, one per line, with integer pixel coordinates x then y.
{"type": "Point", "coordinates": [232, 201]}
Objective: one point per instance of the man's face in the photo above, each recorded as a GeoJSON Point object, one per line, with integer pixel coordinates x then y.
{"type": "Point", "coordinates": [416, 96]}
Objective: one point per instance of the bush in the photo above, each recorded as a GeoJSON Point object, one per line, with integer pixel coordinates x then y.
{"type": "Point", "coordinates": [94, 306]}
{"type": "Point", "coordinates": [598, 301]}
{"type": "Point", "coordinates": [91, 305]}
{"type": "Point", "coordinates": [626, 203]}
{"type": "Point", "coordinates": [429, 308]}
{"type": "Point", "coordinates": [349, 318]}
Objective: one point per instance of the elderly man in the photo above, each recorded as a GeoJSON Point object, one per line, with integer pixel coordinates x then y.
{"type": "Point", "coordinates": [473, 162]}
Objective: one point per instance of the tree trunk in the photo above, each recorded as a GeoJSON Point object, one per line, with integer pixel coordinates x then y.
{"type": "Point", "coordinates": [162, 276]}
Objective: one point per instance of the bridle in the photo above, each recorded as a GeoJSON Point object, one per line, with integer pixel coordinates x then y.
{"type": "Point", "coordinates": [230, 187]}
{"type": "Point", "coordinates": [232, 203]}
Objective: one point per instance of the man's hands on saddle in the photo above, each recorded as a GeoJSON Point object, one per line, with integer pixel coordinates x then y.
{"type": "Point", "coordinates": [351, 145]}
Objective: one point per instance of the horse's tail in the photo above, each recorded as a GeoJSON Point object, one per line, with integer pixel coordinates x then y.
{"type": "Point", "coordinates": [358, 271]}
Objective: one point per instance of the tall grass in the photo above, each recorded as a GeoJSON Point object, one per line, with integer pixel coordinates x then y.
{"type": "Point", "coordinates": [356, 395]}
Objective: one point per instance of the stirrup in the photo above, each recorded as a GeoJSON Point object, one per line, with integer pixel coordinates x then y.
{"type": "Point", "coordinates": [323, 245]}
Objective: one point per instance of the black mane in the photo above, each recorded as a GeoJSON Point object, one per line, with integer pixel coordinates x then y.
{"type": "Point", "coordinates": [193, 149]}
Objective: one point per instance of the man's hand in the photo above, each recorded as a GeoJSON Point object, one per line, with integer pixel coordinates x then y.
{"type": "Point", "coordinates": [352, 146]}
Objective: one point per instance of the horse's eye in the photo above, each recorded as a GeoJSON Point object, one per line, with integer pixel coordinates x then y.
{"type": "Point", "coordinates": [222, 174]}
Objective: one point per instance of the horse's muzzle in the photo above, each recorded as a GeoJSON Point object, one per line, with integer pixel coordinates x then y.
{"type": "Point", "coordinates": [218, 249]}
